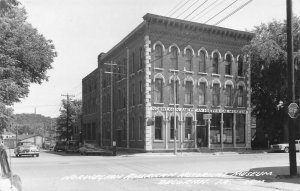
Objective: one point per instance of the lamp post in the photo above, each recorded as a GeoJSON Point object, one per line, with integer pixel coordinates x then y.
{"type": "Point", "coordinates": [174, 121]}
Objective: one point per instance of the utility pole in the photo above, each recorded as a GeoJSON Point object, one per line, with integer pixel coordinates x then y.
{"type": "Point", "coordinates": [68, 112]}
{"type": "Point", "coordinates": [291, 88]}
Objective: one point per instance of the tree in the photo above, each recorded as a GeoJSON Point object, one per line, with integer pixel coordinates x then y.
{"type": "Point", "coordinates": [72, 111]}
{"type": "Point", "coordinates": [269, 72]}
{"type": "Point", "coordinates": [25, 55]}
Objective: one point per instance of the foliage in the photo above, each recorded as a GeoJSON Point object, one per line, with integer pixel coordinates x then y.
{"type": "Point", "coordinates": [69, 118]}
{"type": "Point", "coordinates": [33, 124]}
{"type": "Point", "coordinates": [269, 68]}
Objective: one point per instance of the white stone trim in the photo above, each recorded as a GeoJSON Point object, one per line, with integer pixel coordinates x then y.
{"type": "Point", "coordinates": [159, 76]}
{"type": "Point", "coordinates": [216, 81]}
{"type": "Point", "coordinates": [229, 82]}
{"type": "Point", "coordinates": [189, 47]}
{"type": "Point", "coordinates": [203, 80]}
{"type": "Point", "coordinates": [175, 45]}
{"type": "Point", "coordinates": [231, 55]}
{"type": "Point", "coordinates": [203, 49]}
{"type": "Point", "coordinates": [189, 78]}
{"type": "Point", "coordinates": [241, 83]}
{"type": "Point", "coordinates": [188, 114]}
{"type": "Point", "coordinates": [177, 79]}
{"type": "Point", "coordinates": [216, 51]}
{"type": "Point", "coordinates": [159, 43]}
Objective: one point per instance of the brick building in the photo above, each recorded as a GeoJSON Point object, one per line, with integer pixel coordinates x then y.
{"type": "Point", "coordinates": [165, 59]}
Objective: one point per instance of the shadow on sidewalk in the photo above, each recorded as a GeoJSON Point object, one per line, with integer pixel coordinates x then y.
{"type": "Point", "coordinates": [269, 174]}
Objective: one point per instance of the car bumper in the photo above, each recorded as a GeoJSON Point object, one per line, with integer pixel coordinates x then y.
{"type": "Point", "coordinates": [27, 153]}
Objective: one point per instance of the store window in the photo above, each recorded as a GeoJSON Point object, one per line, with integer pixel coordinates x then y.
{"type": "Point", "coordinates": [240, 128]}
{"type": "Point", "coordinates": [188, 92]}
{"type": "Point", "coordinates": [93, 135]}
{"type": "Point", "coordinates": [228, 95]}
{"type": "Point", "coordinates": [227, 128]}
{"type": "Point", "coordinates": [158, 127]}
{"type": "Point", "coordinates": [228, 64]}
{"type": "Point", "coordinates": [172, 92]}
{"type": "Point", "coordinates": [172, 128]}
{"type": "Point", "coordinates": [215, 128]}
{"type": "Point", "coordinates": [132, 129]}
{"type": "Point", "coordinates": [158, 56]}
{"type": "Point", "coordinates": [124, 130]}
{"type": "Point", "coordinates": [216, 94]}
{"type": "Point", "coordinates": [141, 128]}
{"type": "Point", "coordinates": [202, 62]}
{"type": "Point", "coordinates": [174, 58]}
{"type": "Point", "coordinates": [202, 93]}
{"type": "Point", "coordinates": [158, 91]}
{"type": "Point", "coordinates": [189, 60]}
{"type": "Point", "coordinates": [188, 127]}
{"type": "Point", "coordinates": [215, 63]}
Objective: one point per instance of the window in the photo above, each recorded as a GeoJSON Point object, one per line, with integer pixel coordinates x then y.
{"type": "Point", "coordinates": [240, 128]}
{"type": "Point", "coordinates": [88, 132]}
{"type": "Point", "coordinates": [158, 91]}
{"type": "Point", "coordinates": [120, 98]}
{"type": "Point", "coordinates": [228, 95]}
{"type": "Point", "coordinates": [174, 58]}
{"type": "Point", "coordinates": [227, 127]}
{"type": "Point", "coordinates": [188, 92]}
{"type": "Point", "coordinates": [241, 96]}
{"type": "Point", "coordinates": [132, 63]}
{"type": "Point", "coordinates": [202, 93]}
{"type": "Point", "coordinates": [124, 67]}
{"type": "Point", "coordinates": [202, 62]}
{"type": "Point", "coordinates": [215, 128]}
{"type": "Point", "coordinates": [132, 94]}
{"type": "Point", "coordinates": [93, 135]}
{"type": "Point", "coordinates": [172, 128]}
{"type": "Point", "coordinates": [188, 127]}
{"type": "Point", "coordinates": [240, 66]}
{"type": "Point", "coordinates": [124, 130]}
{"type": "Point", "coordinates": [140, 127]}
{"type": "Point", "coordinates": [216, 95]}
{"type": "Point", "coordinates": [172, 93]}
{"type": "Point", "coordinates": [124, 97]}
{"type": "Point", "coordinates": [158, 56]}
{"type": "Point", "coordinates": [189, 60]}
{"type": "Point", "coordinates": [228, 64]}
{"type": "Point", "coordinates": [141, 57]}
{"type": "Point", "coordinates": [107, 132]}
{"type": "Point", "coordinates": [141, 92]}
{"type": "Point", "coordinates": [158, 127]}
{"type": "Point", "coordinates": [215, 63]}
{"type": "Point", "coordinates": [132, 129]}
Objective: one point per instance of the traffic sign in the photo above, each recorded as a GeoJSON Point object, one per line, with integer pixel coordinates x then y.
{"type": "Point", "coordinates": [207, 116]}
{"type": "Point", "coordinates": [292, 110]}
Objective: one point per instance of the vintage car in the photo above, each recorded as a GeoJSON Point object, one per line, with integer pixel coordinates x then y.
{"type": "Point", "coordinates": [89, 149]}
{"type": "Point", "coordinates": [284, 147]}
{"type": "Point", "coordinates": [26, 148]}
{"type": "Point", "coordinates": [8, 181]}
{"type": "Point", "coordinates": [59, 146]}
{"type": "Point", "coordinates": [72, 146]}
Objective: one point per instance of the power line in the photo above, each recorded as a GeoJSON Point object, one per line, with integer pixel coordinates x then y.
{"type": "Point", "coordinates": [174, 8]}
{"type": "Point", "coordinates": [187, 9]}
{"type": "Point", "coordinates": [221, 11]}
{"type": "Point", "coordinates": [180, 7]}
{"type": "Point", "coordinates": [207, 10]}
{"type": "Point", "coordinates": [236, 10]}
{"type": "Point", "coordinates": [196, 9]}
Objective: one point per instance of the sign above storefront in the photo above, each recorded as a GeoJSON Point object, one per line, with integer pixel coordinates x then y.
{"type": "Point", "coordinates": [200, 110]}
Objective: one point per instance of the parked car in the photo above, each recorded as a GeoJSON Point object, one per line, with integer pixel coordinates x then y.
{"type": "Point", "coordinates": [8, 180]}
{"type": "Point", "coordinates": [59, 146]}
{"type": "Point", "coordinates": [26, 148]}
{"type": "Point", "coordinates": [72, 146]}
{"type": "Point", "coordinates": [285, 147]}
{"type": "Point", "coordinates": [89, 149]}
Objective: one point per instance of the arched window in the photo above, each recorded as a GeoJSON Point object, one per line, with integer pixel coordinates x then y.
{"type": "Point", "coordinates": [158, 56]}
{"type": "Point", "coordinates": [240, 66]}
{"type": "Point", "coordinates": [216, 94]}
{"type": "Point", "coordinates": [202, 62]}
{"type": "Point", "coordinates": [158, 90]}
{"type": "Point", "coordinates": [188, 127]}
{"type": "Point", "coordinates": [202, 93]}
{"type": "Point", "coordinates": [158, 127]}
{"type": "Point", "coordinates": [174, 91]}
{"type": "Point", "coordinates": [215, 63]}
{"type": "Point", "coordinates": [174, 58]}
{"type": "Point", "coordinates": [189, 60]}
{"type": "Point", "coordinates": [228, 95]}
{"type": "Point", "coordinates": [189, 92]}
{"type": "Point", "coordinates": [240, 96]}
{"type": "Point", "coordinates": [228, 64]}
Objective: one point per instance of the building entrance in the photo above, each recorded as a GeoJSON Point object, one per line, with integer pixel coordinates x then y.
{"type": "Point", "coordinates": [201, 131]}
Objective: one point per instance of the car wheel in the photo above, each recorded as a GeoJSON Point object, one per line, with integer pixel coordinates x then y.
{"type": "Point", "coordinates": [17, 155]}
{"type": "Point", "coordinates": [286, 149]}
{"type": "Point", "coordinates": [37, 155]}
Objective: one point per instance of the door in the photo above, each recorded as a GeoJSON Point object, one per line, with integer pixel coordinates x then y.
{"type": "Point", "coordinates": [202, 136]}
{"type": "Point", "coordinates": [119, 138]}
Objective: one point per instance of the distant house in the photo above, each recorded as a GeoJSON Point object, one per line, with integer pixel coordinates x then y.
{"type": "Point", "coordinates": [5, 138]}
{"type": "Point", "coordinates": [34, 138]}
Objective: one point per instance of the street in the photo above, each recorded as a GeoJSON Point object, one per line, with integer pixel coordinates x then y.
{"type": "Point", "coordinates": [188, 171]}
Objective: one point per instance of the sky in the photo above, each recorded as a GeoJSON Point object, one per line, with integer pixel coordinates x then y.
{"type": "Point", "coordinates": [82, 29]}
